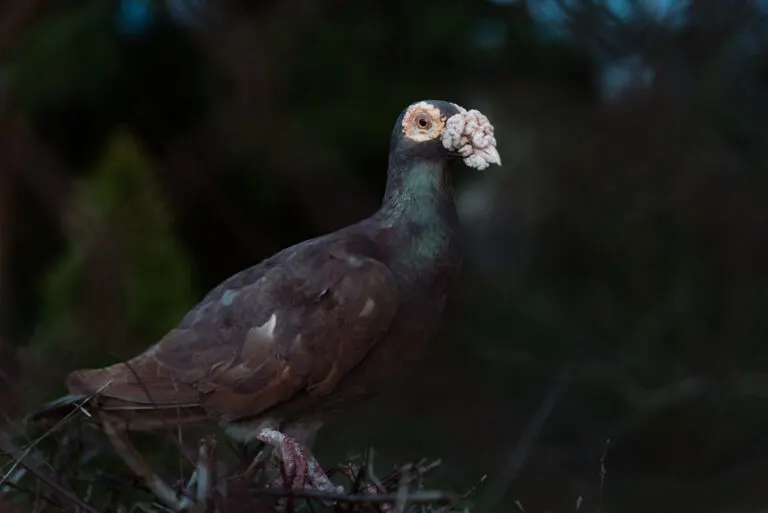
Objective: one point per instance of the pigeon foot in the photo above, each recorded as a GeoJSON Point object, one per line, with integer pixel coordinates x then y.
{"type": "Point", "coordinates": [301, 471]}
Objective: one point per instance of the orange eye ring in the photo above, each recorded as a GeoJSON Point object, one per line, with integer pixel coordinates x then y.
{"type": "Point", "coordinates": [423, 122]}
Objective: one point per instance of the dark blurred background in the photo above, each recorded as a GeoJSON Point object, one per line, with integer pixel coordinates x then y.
{"type": "Point", "coordinates": [150, 149]}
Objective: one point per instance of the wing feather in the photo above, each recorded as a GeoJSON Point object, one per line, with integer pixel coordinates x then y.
{"type": "Point", "coordinates": [301, 326]}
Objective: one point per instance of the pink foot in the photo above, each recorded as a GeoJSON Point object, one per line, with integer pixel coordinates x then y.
{"type": "Point", "coordinates": [301, 471]}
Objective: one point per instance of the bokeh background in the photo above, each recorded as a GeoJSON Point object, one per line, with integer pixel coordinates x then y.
{"type": "Point", "coordinates": [615, 285]}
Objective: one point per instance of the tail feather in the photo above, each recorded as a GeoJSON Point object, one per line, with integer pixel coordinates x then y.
{"type": "Point", "coordinates": [58, 409]}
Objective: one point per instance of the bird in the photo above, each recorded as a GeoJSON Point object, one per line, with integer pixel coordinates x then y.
{"type": "Point", "coordinates": [275, 350]}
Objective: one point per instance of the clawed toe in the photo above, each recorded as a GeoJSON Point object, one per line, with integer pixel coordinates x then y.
{"type": "Point", "coordinates": [301, 471]}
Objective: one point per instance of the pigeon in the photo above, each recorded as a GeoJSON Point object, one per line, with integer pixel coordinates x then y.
{"type": "Point", "coordinates": [273, 351]}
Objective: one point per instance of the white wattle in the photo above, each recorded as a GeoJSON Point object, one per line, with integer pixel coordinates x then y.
{"type": "Point", "coordinates": [471, 135]}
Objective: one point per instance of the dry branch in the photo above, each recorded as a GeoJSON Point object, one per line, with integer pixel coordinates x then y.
{"type": "Point", "coordinates": [421, 497]}
{"type": "Point", "coordinates": [136, 462]}
{"type": "Point", "coordinates": [27, 460]}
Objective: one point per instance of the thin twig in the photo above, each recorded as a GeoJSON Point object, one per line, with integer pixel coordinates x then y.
{"type": "Point", "coordinates": [421, 497]}
{"type": "Point", "coordinates": [520, 452]}
{"type": "Point", "coordinates": [474, 487]}
{"type": "Point", "coordinates": [372, 475]}
{"type": "Point", "coordinates": [449, 507]}
{"type": "Point", "coordinates": [261, 457]}
{"type": "Point", "coordinates": [189, 490]}
{"type": "Point", "coordinates": [179, 445]}
{"type": "Point", "coordinates": [135, 461]}
{"type": "Point", "coordinates": [402, 488]}
{"type": "Point", "coordinates": [360, 477]}
{"type": "Point", "coordinates": [603, 473]}
{"type": "Point", "coordinates": [392, 479]}
{"type": "Point", "coordinates": [76, 409]}
{"type": "Point", "coordinates": [31, 493]}
{"type": "Point", "coordinates": [65, 495]}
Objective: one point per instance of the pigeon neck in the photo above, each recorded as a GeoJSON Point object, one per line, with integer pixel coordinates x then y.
{"type": "Point", "coordinates": [416, 191]}
{"type": "Point", "coordinates": [418, 206]}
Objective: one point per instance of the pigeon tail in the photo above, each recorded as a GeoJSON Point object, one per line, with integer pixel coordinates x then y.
{"type": "Point", "coordinates": [57, 409]}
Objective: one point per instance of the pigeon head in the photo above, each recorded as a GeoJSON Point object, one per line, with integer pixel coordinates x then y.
{"type": "Point", "coordinates": [440, 130]}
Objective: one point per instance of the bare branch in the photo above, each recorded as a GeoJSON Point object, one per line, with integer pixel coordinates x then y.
{"type": "Point", "coordinates": [520, 452]}
{"type": "Point", "coordinates": [66, 495]}
{"type": "Point", "coordinates": [135, 461]}
{"type": "Point", "coordinates": [421, 497]}
{"type": "Point", "coordinates": [78, 408]}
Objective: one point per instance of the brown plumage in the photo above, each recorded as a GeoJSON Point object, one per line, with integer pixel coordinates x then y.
{"type": "Point", "coordinates": [320, 324]}
{"type": "Point", "coordinates": [257, 340]}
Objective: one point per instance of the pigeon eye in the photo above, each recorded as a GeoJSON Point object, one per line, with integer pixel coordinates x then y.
{"type": "Point", "coordinates": [424, 122]}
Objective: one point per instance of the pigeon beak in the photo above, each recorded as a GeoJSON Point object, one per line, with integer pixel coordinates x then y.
{"type": "Point", "coordinates": [492, 155]}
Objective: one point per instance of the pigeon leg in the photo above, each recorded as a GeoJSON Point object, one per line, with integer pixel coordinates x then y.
{"type": "Point", "coordinates": [302, 470]}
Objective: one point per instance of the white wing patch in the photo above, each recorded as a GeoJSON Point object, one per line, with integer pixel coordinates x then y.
{"type": "Point", "coordinates": [267, 329]}
{"type": "Point", "coordinates": [367, 310]}
{"type": "Point", "coordinates": [259, 340]}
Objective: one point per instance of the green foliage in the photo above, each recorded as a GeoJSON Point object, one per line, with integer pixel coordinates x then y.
{"type": "Point", "coordinates": [124, 280]}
